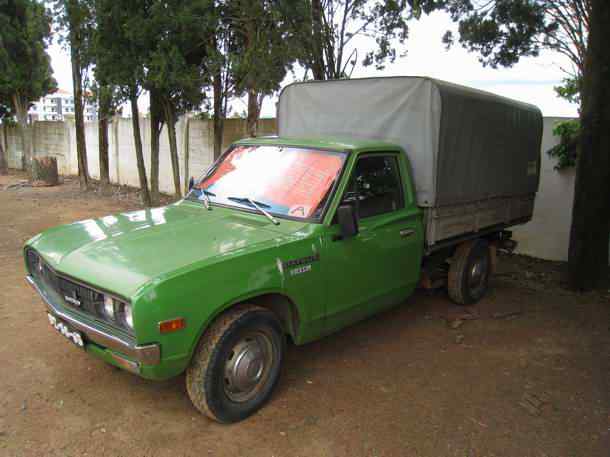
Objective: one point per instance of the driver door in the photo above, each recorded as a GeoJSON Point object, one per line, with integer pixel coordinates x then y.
{"type": "Point", "coordinates": [379, 266]}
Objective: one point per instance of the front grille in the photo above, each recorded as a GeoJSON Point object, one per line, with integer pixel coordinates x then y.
{"type": "Point", "coordinates": [89, 299]}
{"type": "Point", "coordinates": [79, 297]}
{"type": "Point", "coordinates": [73, 295]}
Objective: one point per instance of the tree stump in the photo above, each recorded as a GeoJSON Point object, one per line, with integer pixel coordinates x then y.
{"type": "Point", "coordinates": [44, 171]}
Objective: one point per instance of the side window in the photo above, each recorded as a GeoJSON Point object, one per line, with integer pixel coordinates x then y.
{"type": "Point", "coordinates": [375, 187]}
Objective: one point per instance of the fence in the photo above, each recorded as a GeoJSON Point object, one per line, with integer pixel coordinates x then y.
{"type": "Point", "coordinates": [194, 138]}
{"type": "Point", "coordinates": [546, 236]}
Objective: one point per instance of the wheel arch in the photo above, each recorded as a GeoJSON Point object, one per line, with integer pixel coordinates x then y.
{"type": "Point", "coordinates": [283, 307]}
{"type": "Point", "coordinates": [277, 302]}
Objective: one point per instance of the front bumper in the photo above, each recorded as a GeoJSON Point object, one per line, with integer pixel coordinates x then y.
{"type": "Point", "coordinates": [149, 354]}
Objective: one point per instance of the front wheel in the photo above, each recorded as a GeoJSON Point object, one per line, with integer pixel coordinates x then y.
{"type": "Point", "coordinates": [469, 272]}
{"type": "Point", "coordinates": [237, 364]}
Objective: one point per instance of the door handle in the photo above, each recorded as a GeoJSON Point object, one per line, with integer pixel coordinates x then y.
{"type": "Point", "coordinates": [406, 232]}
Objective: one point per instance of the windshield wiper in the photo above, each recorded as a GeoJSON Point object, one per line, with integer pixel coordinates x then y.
{"type": "Point", "coordinates": [206, 198]}
{"type": "Point", "coordinates": [256, 204]}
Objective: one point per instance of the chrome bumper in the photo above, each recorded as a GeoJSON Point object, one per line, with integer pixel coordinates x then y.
{"type": "Point", "coordinates": [149, 354]}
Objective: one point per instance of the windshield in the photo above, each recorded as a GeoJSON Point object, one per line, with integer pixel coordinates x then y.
{"type": "Point", "coordinates": [285, 181]}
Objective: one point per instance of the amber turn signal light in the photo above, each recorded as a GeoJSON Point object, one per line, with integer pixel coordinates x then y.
{"type": "Point", "coordinates": [172, 325]}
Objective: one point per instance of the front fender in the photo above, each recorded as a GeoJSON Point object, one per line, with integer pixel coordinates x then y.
{"type": "Point", "coordinates": [199, 296]}
{"type": "Point", "coordinates": [200, 293]}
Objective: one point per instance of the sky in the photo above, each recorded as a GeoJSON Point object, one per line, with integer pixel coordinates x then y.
{"type": "Point", "coordinates": [531, 80]}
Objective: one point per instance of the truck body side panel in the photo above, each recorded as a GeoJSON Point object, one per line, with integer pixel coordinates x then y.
{"type": "Point", "coordinates": [469, 218]}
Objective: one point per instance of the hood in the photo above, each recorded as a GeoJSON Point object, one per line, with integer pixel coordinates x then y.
{"type": "Point", "coordinates": [121, 253]}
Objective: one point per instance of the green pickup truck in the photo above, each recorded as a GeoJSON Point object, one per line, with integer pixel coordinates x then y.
{"type": "Point", "coordinates": [296, 236]}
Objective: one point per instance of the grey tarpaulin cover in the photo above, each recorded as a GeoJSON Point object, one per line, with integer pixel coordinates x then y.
{"type": "Point", "coordinates": [464, 145]}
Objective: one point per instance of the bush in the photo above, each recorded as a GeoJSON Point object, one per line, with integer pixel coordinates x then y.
{"type": "Point", "coordinates": [566, 151]}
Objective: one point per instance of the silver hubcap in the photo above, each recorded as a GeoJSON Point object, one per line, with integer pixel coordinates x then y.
{"type": "Point", "coordinates": [478, 273]}
{"type": "Point", "coordinates": [247, 366]}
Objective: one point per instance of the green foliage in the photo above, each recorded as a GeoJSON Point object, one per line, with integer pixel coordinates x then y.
{"type": "Point", "coordinates": [333, 30]}
{"type": "Point", "coordinates": [503, 31]}
{"type": "Point", "coordinates": [176, 62]}
{"type": "Point", "coordinates": [500, 31]}
{"type": "Point", "coordinates": [566, 151]}
{"type": "Point", "coordinates": [264, 42]}
{"type": "Point", "coordinates": [107, 98]}
{"type": "Point", "coordinates": [121, 44]}
{"type": "Point", "coordinates": [570, 89]}
{"type": "Point", "coordinates": [25, 69]}
{"type": "Point", "coordinates": [6, 113]}
{"type": "Point", "coordinates": [154, 45]}
{"type": "Point", "coordinates": [74, 27]}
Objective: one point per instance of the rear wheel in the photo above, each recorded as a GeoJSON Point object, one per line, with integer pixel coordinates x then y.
{"type": "Point", "coordinates": [237, 364]}
{"type": "Point", "coordinates": [469, 272]}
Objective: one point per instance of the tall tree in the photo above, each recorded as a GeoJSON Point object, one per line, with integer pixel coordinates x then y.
{"type": "Point", "coordinates": [107, 102]}
{"type": "Point", "coordinates": [590, 231]}
{"type": "Point", "coordinates": [76, 19]}
{"type": "Point", "coordinates": [107, 96]}
{"type": "Point", "coordinates": [157, 120]}
{"type": "Point", "coordinates": [25, 69]}
{"type": "Point", "coordinates": [221, 45]}
{"type": "Point", "coordinates": [335, 29]}
{"type": "Point", "coordinates": [121, 45]}
{"type": "Point", "coordinates": [266, 45]}
{"type": "Point", "coordinates": [502, 31]}
{"type": "Point", "coordinates": [177, 70]}
{"type": "Point", "coordinates": [5, 116]}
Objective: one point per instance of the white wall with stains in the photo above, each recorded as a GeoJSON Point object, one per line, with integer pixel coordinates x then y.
{"type": "Point", "coordinates": [547, 235]}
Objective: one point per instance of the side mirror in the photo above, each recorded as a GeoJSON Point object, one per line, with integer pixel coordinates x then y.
{"type": "Point", "coordinates": [348, 221]}
{"type": "Point", "coordinates": [191, 183]}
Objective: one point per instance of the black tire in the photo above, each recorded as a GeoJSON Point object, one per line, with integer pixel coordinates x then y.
{"type": "Point", "coordinates": [469, 272]}
{"type": "Point", "coordinates": [220, 380]}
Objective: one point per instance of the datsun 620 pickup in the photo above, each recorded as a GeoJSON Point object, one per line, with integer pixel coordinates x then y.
{"type": "Point", "coordinates": [282, 238]}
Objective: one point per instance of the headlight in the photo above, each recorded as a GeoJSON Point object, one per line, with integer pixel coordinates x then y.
{"type": "Point", "coordinates": [125, 315]}
{"type": "Point", "coordinates": [117, 311]}
{"type": "Point", "coordinates": [34, 263]}
{"type": "Point", "coordinates": [108, 308]}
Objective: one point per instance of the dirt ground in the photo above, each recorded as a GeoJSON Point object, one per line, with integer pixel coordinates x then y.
{"type": "Point", "coordinates": [525, 373]}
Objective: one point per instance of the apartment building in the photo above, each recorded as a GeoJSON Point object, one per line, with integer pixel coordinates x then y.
{"type": "Point", "coordinates": [59, 105]}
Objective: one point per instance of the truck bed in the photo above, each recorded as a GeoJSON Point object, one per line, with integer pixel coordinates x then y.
{"type": "Point", "coordinates": [444, 225]}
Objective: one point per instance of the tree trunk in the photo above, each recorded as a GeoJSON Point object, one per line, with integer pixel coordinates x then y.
{"type": "Point", "coordinates": [104, 114]}
{"type": "Point", "coordinates": [156, 125]}
{"type": "Point", "coordinates": [187, 172]}
{"type": "Point", "coordinates": [590, 230]}
{"type": "Point", "coordinates": [218, 114]}
{"type": "Point", "coordinates": [3, 152]}
{"type": "Point", "coordinates": [81, 145]}
{"type": "Point", "coordinates": [135, 122]}
{"type": "Point", "coordinates": [44, 171]}
{"type": "Point", "coordinates": [317, 59]}
{"type": "Point", "coordinates": [254, 109]}
{"type": "Point", "coordinates": [170, 116]}
{"type": "Point", "coordinates": [25, 132]}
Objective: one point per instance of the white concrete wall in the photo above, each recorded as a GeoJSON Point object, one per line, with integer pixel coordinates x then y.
{"type": "Point", "coordinates": [58, 139]}
{"type": "Point", "coordinates": [547, 235]}
{"type": "Point", "coordinates": [13, 146]}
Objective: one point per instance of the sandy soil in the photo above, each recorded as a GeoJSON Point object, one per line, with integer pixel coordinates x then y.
{"type": "Point", "coordinates": [525, 373]}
